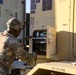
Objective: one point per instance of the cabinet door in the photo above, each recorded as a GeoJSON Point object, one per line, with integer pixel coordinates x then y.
{"type": "Point", "coordinates": [51, 42]}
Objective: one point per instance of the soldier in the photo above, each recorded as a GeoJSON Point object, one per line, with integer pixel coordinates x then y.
{"type": "Point", "coordinates": [9, 45]}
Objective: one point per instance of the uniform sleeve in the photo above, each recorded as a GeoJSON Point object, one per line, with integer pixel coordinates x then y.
{"type": "Point", "coordinates": [13, 44]}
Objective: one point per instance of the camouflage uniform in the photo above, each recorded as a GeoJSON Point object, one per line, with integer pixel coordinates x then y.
{"type": "Point", "coordinates": [8, 46]}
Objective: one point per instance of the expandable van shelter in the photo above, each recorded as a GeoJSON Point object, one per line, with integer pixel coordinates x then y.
{"type": "Point", "coordinates": [60, 15]}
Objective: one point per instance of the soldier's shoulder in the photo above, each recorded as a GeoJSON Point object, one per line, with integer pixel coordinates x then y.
{"type": "Point", "coordinates": [4, 33]}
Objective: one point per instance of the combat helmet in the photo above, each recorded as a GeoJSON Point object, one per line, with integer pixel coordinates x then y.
{"type": "Point", "coordinates": [15, 24]}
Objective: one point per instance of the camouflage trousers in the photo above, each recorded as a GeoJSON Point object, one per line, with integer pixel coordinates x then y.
{"type": "Point", "coordinates": [2, 74]}
{"type": "Point", "coordinates": [2, 70]}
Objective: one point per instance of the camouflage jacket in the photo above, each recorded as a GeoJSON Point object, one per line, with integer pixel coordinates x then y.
{"type": "Point", "coordinates": [8, 48]}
